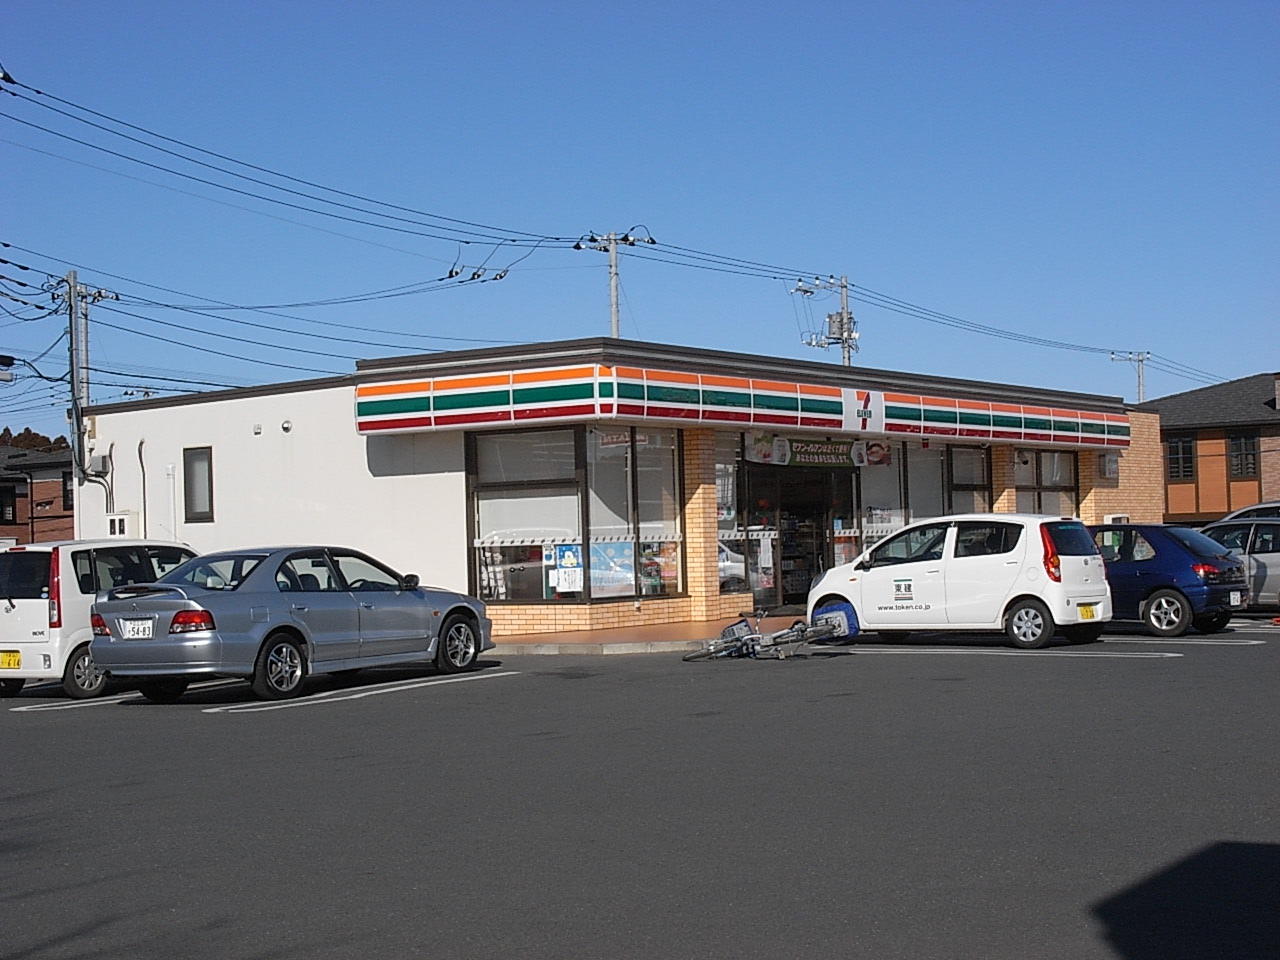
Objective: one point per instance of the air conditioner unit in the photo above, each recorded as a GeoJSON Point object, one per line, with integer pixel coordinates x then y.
{"type": "Point", "coordinates": [1115, 518]}
{"type": "Point", "coordinates": [99, 465]}
{"type": "Point", "coordinates": [122, 524]}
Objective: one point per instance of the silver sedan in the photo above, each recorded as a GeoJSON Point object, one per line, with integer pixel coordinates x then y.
{"type": "Point", "coordinates": [276, 615]}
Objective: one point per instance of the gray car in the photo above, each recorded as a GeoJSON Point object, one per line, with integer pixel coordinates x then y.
{"type": "Point", "coordinates": [1257, 542]}
{"type": "Point", "coordinates": [277, 615]}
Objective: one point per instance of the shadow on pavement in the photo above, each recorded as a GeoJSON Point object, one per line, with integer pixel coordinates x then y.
{"type": "Point", "coordinates": [1223, 901]}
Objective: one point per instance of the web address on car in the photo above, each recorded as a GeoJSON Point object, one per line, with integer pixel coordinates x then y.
{"type": "Point", "coordinates": [905, 606]}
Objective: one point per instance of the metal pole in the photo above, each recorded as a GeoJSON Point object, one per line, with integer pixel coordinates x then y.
{"type": "Point", "coordinates": [74, 347]}
{"type": "Point", "coordinates": [1142, 393]}
{"type": "Point", "coordinates": [846, 327]}
{"type": "Point", "coordinates": [613, 282]}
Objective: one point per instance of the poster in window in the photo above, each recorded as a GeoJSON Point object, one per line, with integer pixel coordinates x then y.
{"type": "Point", "coordinates": [568, 568]}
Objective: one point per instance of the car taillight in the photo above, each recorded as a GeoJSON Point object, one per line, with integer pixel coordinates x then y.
{"type": "Point", "coordinates": [99, 626]}
{"type": "Point", "coordinates": [1205, 571]}
{"type": "Point", "coordinates": [55, 590]}
{"type": "Point", "coordinates": [191, 621]}
{"type": "Point", "coordinates": [1052, 564]}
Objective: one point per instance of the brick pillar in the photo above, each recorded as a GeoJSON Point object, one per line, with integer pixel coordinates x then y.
{"type": "Point", "coordinates": [702, 555]}
{"type": "Point", "coordinates": [1005, 497]}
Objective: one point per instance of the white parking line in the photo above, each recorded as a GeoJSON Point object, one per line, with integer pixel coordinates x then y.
{"type": "Point", "coordinates": [107, 701]}
{"type": "Point", "coordinates": [983, 652]}
{"type": "Point", "coordinates": [1223, 642]}
{"type": "Point", "coordinates": [338, 696]}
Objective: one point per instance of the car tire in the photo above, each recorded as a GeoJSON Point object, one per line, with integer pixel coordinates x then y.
{"type": "Point", "coordinates": [1028, 625]}
{"type": "Point", "coordinates": [81, 679]}
{"type": "Point", "coordinates": [11, 688]}
{"type": "Point", "coordinates": [280, 668]}
{"type": "Point", "coordinates": [893, 635]}
{"type": "Point", "coordinates": [1083, 633]}
{"type": "Point", "coordinates": [1211, 623]}
{"type": "Point", "coordinates": [458, 646]}
{"type": "Point", "coordinates": [163, 690]}
{"type": "Point", "coordinates": [1167, 613]}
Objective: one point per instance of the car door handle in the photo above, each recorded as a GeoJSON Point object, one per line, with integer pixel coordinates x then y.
{"type": "Point", "coordinates": [366, 605]}
{"type": "Point", "coordinates": [933, 571]}
{"type": "Point", "coordinates": [300, 607]}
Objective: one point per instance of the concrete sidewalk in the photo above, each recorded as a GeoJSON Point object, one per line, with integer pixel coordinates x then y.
{"type": "Point", "coordinates": [662, 638]}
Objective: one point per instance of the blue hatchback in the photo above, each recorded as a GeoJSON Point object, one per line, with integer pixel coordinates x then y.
{"type": "Point", "coordinates": [1170, 578]}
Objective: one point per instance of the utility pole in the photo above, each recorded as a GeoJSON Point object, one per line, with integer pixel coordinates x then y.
{"type": "Point", "coordinates": [78, 298]}
{"type": "Point", "coordinates": [842, 328]}
{"type": "Point", "coordinates": [609, 244]}
{"type": "Point", "coordinates": [1137, 358]}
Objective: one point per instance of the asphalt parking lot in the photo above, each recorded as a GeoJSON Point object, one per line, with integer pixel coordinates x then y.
{"type": "Point", "coordinates": [934, 798]}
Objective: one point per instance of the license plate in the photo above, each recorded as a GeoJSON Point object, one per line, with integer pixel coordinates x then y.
{"type": "Point", "coordinates": [136, 629]}
{"type": "Point", "coordinates": [1235, 598]}
{"type": "Point", "coordinates": [10, 659]}
{"type": "Point", "coordinates": [1088, 611]}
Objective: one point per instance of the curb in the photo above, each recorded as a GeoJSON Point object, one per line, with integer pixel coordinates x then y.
{"type": "Point", "coordinates": [596, 649]}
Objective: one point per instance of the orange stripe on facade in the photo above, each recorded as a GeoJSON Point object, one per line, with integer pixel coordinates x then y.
{"type": "Point", "coordinates": [1006, 408]}
{"type": "Point", "coordinates": [547, 376]}
{"type": "Point", "coordinates": [632, 373]}
{"type": "Point", "coordinates": [604, 371]}
{"type": "Point", "coordinates": [388, 389]}
{"type": "Point", "coordinates": [1065, 414]}
{"type": "Point", "coordinates": [1116, 418]}
{"type": "Point", "coordinates": [469, 383]}
{"type": "Point", "coordinates": [773, 385]}
{"type": "Point", "coordinates": [813, 390]}
{"type": "Point", "coordinates": [669, 376]}
{"type": "Point", "coordinates": [937, 401]}
{"type": "Point", "coordinates": [737, 383]}
{"type": "Point", "coordinates": [1090, 415]}
{"type": "Point", "coordinates": [1038, 411]}
{"type": "Point", "coordinates": [973, 405]}
{"type": "Point", "coordinates": [903, 398]}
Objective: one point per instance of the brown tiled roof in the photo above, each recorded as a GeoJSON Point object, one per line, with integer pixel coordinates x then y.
{"type": "Point", "coordinates": [1249, 401]}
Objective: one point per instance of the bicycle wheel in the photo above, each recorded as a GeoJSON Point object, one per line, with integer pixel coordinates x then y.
{"type": "Point", "coordinates": [717, 649]}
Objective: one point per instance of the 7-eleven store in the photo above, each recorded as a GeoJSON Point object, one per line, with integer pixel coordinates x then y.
{"type": "Point", "coordinates": [602, 483]}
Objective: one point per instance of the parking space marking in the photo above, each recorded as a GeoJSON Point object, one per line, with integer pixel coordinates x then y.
{"type": "Point", "coordinates": [982, 652]}
{"type": "Point", "coordinates": [107, 701]}
{"type": "Point", "coordinates": [341, 696]}
{"type": "Point", "coordinates": [1224, 642]}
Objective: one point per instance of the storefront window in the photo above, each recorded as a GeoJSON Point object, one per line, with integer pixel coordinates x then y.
{"type": "Point", "coordinates": [613, 551]}
{"type": "Point", "coordinates": [1045, 482]}
{"type": "Point", "coordinates": [729, 529]}
{"type": "Point", "coordinates": [658, 503]}
{"type": "Point", "coordinates": [512, 457]}
{"type": "Point", "coordinates": [970, 487]}
{"type": "Point", "coordinates": [881, 488]}
{"type": "Point", "coordinates": [924, 482]}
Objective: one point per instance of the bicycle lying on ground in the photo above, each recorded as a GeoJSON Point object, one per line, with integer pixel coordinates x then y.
{"type": "Point", "coordinates": [741, 639]}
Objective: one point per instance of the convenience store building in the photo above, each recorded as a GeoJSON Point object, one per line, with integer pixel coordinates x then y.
{"type": "Point", "coordinates": [604, 483]}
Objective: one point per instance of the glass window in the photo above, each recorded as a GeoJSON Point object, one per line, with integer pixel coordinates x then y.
{"type": "Point", "coordinates": [8, 504]}
{"type": "Point", "coordinates": [528, 515]}
{"type": "Point", "coordinates": [609, 481]}
{"type": "Point", "coordinates": [729, 529]}
{"type": "Point", "coordinates": [68, 491]}
{"type": "Point", "coordinates": [1045, 481]}
{"type": "Point", "coordinates": [658, 509]}
{"type": "Point", "coordinates": [1196, 542]}
{"type": "Point", "coordinates": [986, 539]}
{"type": "Point", "coordinates": [911, 546]}
{"type": "Point", "coordinates": [122, 566]}
{"type": "Point", "coordinates": [310, 573]}
{"type": "Point", "coordinates": [1180, 458]}
{"type": "Point", "coordinates": [970, 490]}
{"type": "Point", "coordinates": [197, 480]}
{"type": "Point", "coordinates": [1233, 536]}
{"type": "Point", "coordinates": [164, 559]}
{"type": "Point", "coordinates": [224, 572]}
{"type": "Point", "coordinates": [1242, 455]}
{"type": "Point", "coordinates": [25, 575]}
{"type": "Point", "coordinates": [1071, 539]}
{"type": "Point", "coordinates": [1142, 548]}
{"type": "Point", "coordinates": [1266, 538]}
{"type": "Point", "coordinates": [881, 487]}
{"type": "Point", "coordinates": [362, 575]}
{"type": "Point", "coordinates": [535, 455]}
{"type": "Point", "coordinates": [924, 482]}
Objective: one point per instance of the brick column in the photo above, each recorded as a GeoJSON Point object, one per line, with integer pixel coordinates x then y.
{"type": "Point", "coordinates": [1004, 496]}
{"type": "Point", "coordinates": [702, 555]}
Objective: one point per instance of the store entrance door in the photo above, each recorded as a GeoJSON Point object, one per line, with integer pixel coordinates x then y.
{"type": "Point", "coordinates": [790, 519]}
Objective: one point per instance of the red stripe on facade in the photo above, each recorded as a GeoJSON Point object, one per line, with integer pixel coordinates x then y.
{"type": "Point", "coordinates": [406, 423]}
{"type": "Point", "coordinates": [902, 428]}
{"type": "Point", "coordinates": [1041, 437]}
{"type": "Point", "coordinates": [774, 418]}
{"type": "Point", "coordinates": [974, 432]}
{"type": "Point", "coordinates": [939, 431]}
{"type": "Point", "coordinates": [606, 408]}
{"type": "Point", "coordinates": [728, 416]}
{"type": "Point", "coordinates": [1006, 434]}
{"type": "Point", "coordinates": [539, 413]}
{"type": "Point", "coordinates": [673, 413]}
{"type": "Point", "coordinates": [821, 422]}
{"type": "Point", "coordinates": [489, 416]}
{"type": "Point", "coordinates": [631, 409]}
{"type": "Point", "coordinates": [1117, 441]}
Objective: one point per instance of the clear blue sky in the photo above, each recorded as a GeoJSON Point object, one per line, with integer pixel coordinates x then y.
{"type": "Point", "coordinates": [1104, 174]}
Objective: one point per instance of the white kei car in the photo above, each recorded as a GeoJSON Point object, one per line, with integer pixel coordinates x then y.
{"type": "Point", "coordinates": [1025, 575]}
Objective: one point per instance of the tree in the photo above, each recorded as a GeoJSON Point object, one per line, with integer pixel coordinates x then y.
{"type": "Point", "coordinates": [28, 439]}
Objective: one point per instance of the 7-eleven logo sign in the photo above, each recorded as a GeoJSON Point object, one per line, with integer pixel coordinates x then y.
{"type": "Point", "coordinates": [863, 411]}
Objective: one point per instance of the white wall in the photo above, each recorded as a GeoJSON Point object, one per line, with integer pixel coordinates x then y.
{"type": "Point", "coordinates": [401, 498]}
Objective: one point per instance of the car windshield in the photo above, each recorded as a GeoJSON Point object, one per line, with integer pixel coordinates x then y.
{"type": "Point", "coordinates": [1071, 539]}
{"type": "Point", "coordinates": [224, 572]}
{"type": "Point", "coordinates": [24, 576]}
{"type": "Point", "coordinates": [1197, 542]}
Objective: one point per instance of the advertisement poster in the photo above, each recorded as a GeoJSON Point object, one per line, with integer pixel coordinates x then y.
{"type": "Point", "coordinates": [613, 569]}
{"type": "Point", "coordinates": [794, 452]}
{"type": "Point", "coordinates": [568, 568]}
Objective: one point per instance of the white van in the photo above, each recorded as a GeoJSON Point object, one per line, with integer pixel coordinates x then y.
{"type": "Point", "coordinates": [1026, 575]}
{"type": "Point", "coordinates": [46, 590]}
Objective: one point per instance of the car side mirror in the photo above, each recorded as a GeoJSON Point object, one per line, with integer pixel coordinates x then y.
{"type": "Point", "coordinates": [410, 581]}
{"type": "Point", "coordinates": [863, 564]}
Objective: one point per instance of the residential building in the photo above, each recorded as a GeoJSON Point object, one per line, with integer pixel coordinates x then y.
{"type": "Point", "coordinates": [37, 495]}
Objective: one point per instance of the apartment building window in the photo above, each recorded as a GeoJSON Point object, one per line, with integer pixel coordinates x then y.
{"type": "Point", "coordinates": [8, 504]}
{"type": "Point", "coordinates": [197, 484]}
{"type": "Point", "coordinates": [68, 491]}
{"type": "Point", "coordinates": [1180, 458]}
{"type": "Point", "coordinates": [1242, 455]}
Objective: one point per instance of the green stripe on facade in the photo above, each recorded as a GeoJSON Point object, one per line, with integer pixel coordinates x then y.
{"type": "Point", "coordinates": [833, 407]}
{"type": "Point", "coordinates": [606, 388]}
{"type": "Point", "coordinates": [1036, 423]}
{"type": "Point", "coordinates": [630, 391]}
{"type": "Point", "coordinates": [1066, 426]}
{"type": "Point", "coordinates": [975, 419]}
{"type": "Point", "coordinates": [673, 395]}
{"type": "Point", "coordinates": [940, 416]}
{"type": "Point", "coordinates": [765, 401]}
{"type": "Point", "coordinates": [462, 401]}
{"type": "Point", "coordinates": [1117, 430]}
{"type": "Point", "coordinates": [374, 408]}
{"type": "Point", "coordinates": [1006, 421]}
{"type": "Point", "coordinates": [901, 413]}
{"type": "Point", "coordinates": [566, 391]}
{"type": "Point", "coordinates": [724, 398]}
{"type": "Point", "coordinates": [1088, 426]}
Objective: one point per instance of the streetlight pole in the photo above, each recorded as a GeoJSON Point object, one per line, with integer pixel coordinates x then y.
{"type": "Point", "coordinates": [609, 244]}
